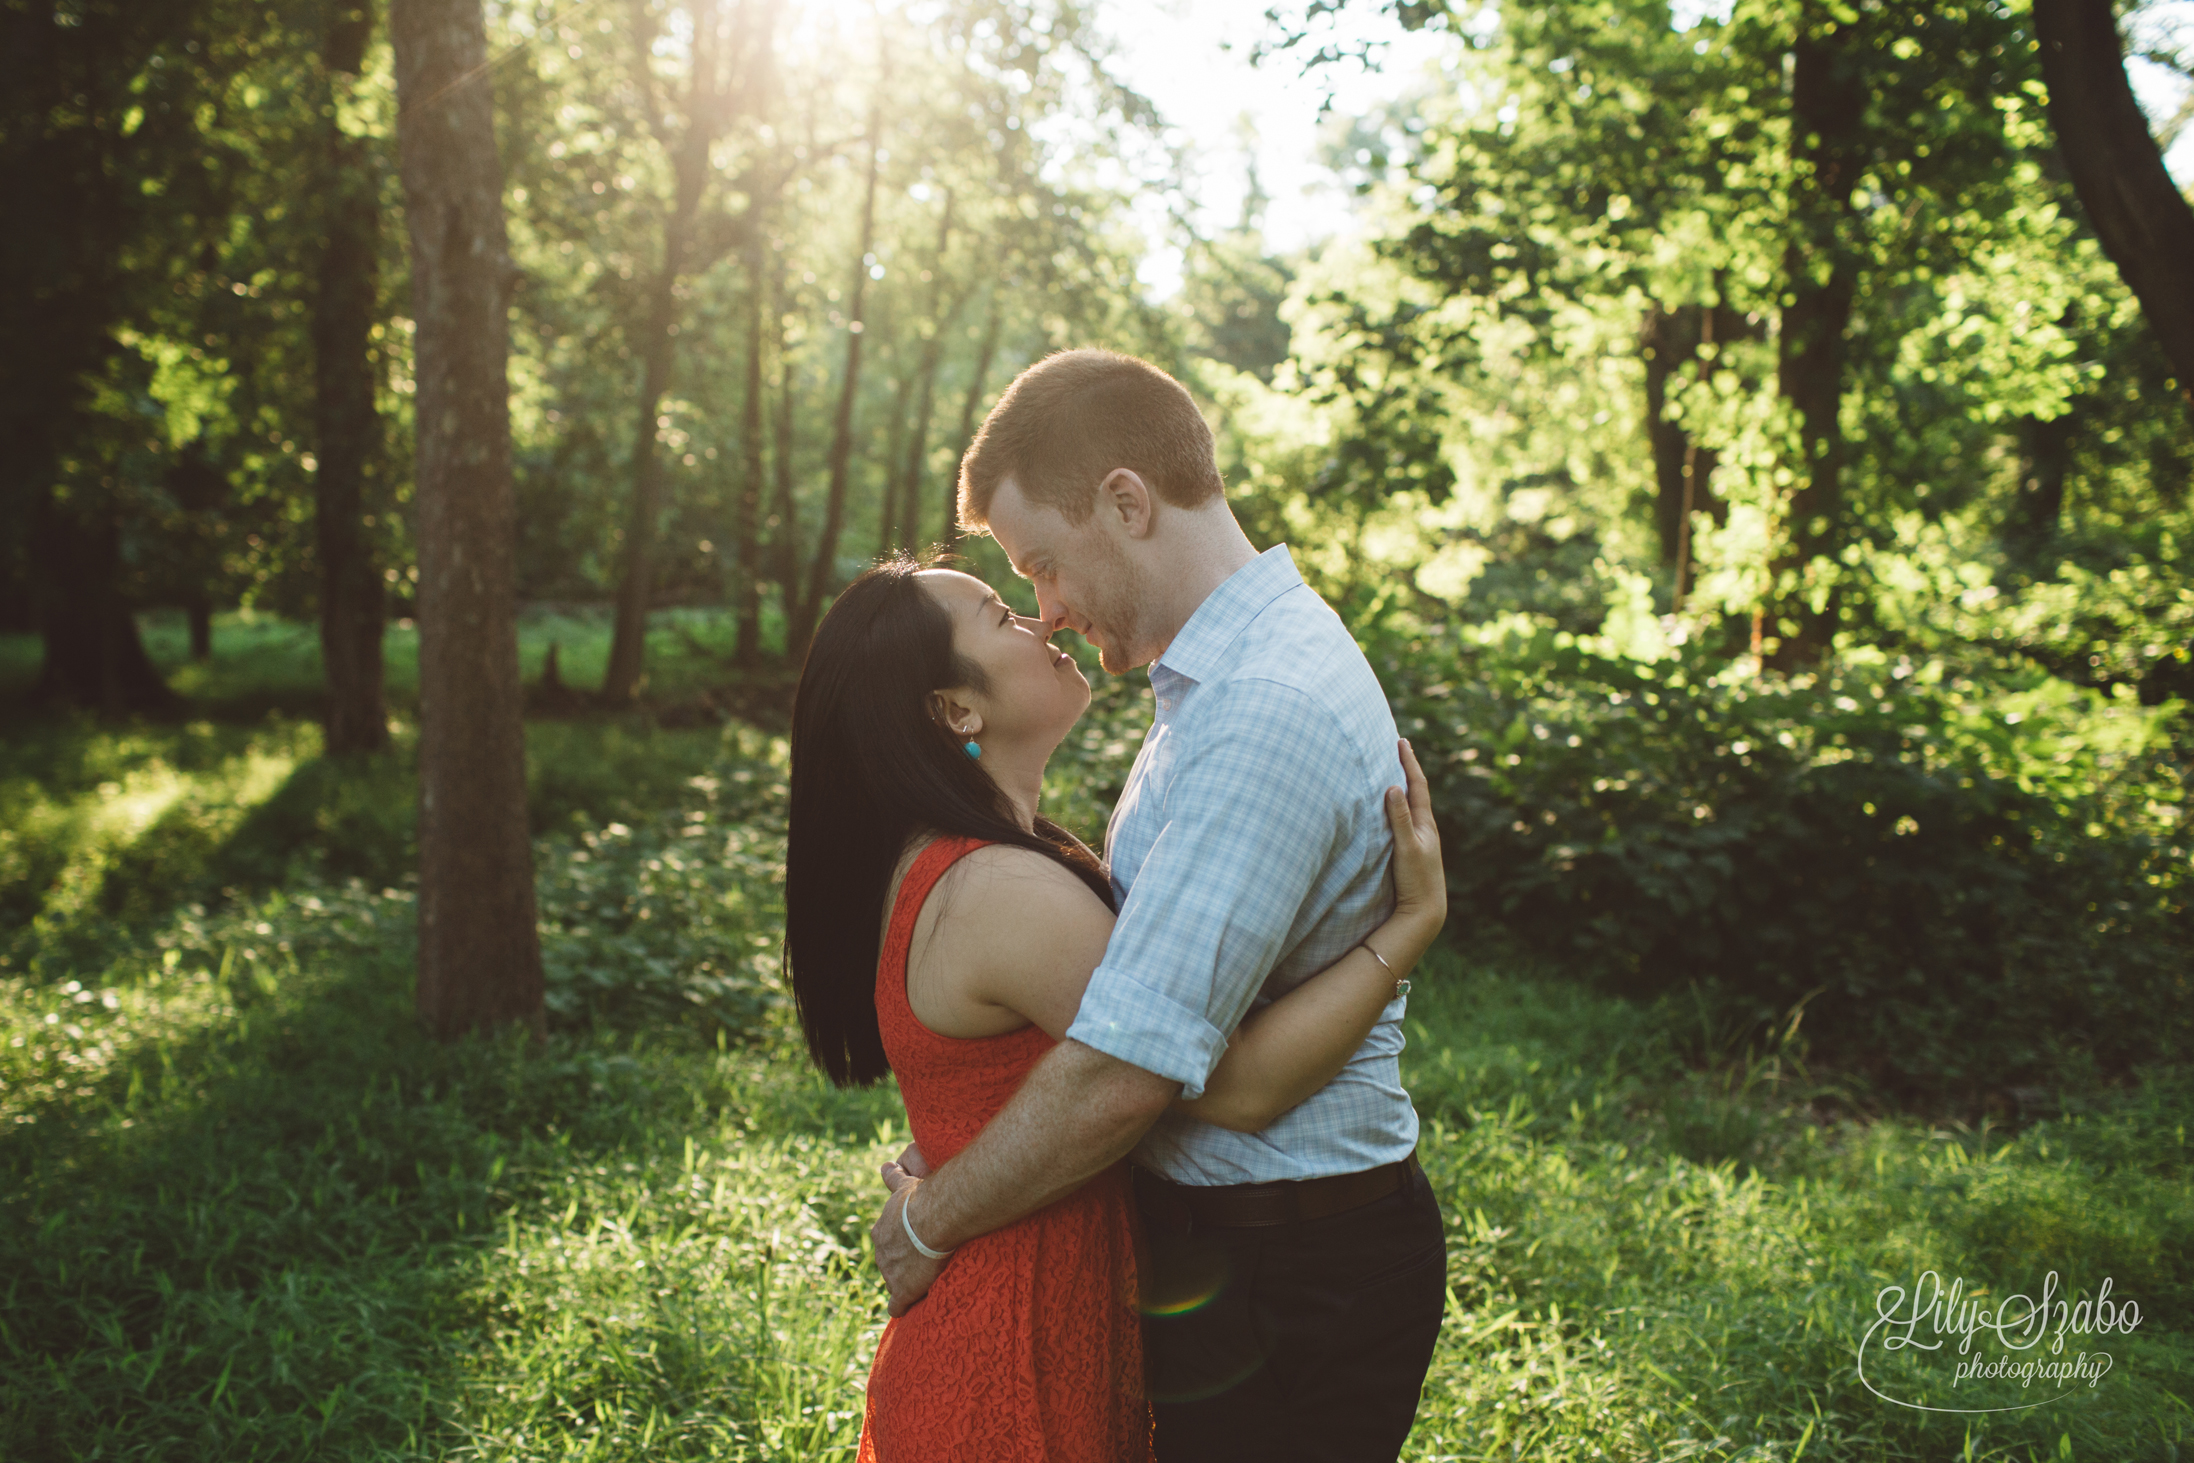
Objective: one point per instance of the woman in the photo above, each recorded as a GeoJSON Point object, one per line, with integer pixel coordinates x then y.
{"type": "Point", "coordinates": [940, 928]}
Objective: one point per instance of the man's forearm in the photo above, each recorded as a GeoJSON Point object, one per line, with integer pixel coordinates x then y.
{"type": "Point", "coordinates": [1078, 1113]}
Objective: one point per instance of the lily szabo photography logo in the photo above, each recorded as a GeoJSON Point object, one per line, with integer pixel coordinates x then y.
{"type": "Point", "coordinates": [2046, 1349]}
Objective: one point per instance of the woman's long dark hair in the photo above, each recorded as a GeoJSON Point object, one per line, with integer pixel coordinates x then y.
{"type": "Point", "coordinates": [871, 769]}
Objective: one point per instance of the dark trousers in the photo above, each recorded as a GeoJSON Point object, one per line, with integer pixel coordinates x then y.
{"type": "Point", "coordinates": [1298, 1341]}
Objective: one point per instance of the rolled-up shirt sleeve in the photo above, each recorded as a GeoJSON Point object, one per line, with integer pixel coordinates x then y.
{"type": "Point", "coordinates": [1253, 808]}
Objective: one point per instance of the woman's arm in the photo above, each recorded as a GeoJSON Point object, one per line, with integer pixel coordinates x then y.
{"type": "Point", "coordinates": [1285, 1052]}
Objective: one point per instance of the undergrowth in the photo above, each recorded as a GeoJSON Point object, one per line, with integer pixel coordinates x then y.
{"type": "Point", "coordinates": [248, 1211]}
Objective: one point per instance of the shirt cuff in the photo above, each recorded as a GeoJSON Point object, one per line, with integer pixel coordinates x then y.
{"type": "Point", "coordinates": [1122, 1017]}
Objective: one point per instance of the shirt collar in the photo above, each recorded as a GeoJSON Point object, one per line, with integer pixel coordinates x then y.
{"type": "Point", "coordinates": [1200, 649]}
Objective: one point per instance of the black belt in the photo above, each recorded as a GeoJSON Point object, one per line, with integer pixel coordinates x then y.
{"type": "Point", "coordinates": [1258, 1206]}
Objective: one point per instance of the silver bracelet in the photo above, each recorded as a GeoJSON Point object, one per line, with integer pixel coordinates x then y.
{"type": "Point", "coordinates": [1401, 984]}
{"type": "Point", "coordinates": [907, 1220]}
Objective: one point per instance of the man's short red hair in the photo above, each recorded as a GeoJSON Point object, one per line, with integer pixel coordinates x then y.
{"type": "Point", "coordinates": [1072, 419]}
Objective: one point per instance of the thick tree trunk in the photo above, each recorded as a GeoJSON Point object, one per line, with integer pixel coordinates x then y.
{"type": "Point", "coordinates": [479, 949]}
{"type": "Point", "coordinates": [1828, 102]}
{"type": "Point", "coordinates": [747, 508]}
{"type": "Point", "coordinates": [984, 354]}
{"type": "Point", "coordinates": [823, 569]}
{"type": "Point", "coordinates": [2139, 214]}
{"type": "Point", "coordinates": [347, 427]}
{"type": "Point", "coordinates": [94, 656]}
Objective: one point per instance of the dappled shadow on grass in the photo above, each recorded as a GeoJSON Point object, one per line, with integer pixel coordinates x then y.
{"type": "Point", "coordinates": [105, 831]}
{"type": "Point", "coordinates": [103, 828]}
{"type": "Point", "coordinates": [236, 1248]}
{"type": "Point", "coordinates": [280, 1223]}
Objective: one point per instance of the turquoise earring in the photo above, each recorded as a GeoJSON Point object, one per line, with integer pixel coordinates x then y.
{"type": "Point", "coordinates": [971, 749]}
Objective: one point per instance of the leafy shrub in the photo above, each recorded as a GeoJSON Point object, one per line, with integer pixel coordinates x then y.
{"type": "Point", "coordinates": [1962, 887]}
{"type": "Point", "coordinates": [677, 914]}
{"type": "Point", "coordinates": [236, 849]}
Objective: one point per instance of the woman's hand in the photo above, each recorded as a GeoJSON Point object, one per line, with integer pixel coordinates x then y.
{"type": "Point", "coordinates": [1420, 882]}
{"type": "Point", "coordinates": [1289, 1048]}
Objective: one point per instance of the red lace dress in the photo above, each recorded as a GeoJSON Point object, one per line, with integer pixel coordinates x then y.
{"type": "Point", "coordinates": [1027, 1349]}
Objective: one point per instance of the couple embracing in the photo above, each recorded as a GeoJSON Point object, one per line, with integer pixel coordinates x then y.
{"type": "Point", "coordinates": [1217, 1002]}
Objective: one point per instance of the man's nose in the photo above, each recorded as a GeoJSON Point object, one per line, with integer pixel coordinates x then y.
{"type": "Point", "coordinates": [1051, 611]}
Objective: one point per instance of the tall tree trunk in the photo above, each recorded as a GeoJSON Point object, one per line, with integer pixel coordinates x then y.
{"type": "Point", "coordinates": [939, 318]}
{"type": "Point", "coordinates": [79, 176]}
{"type": "Point", "coordinates": [784, 527]}
{"type": "Point", "coordinates": [94, 655]}
{"type": "Point", "coordinates": [2139, 214]}
{"type": "Point", "coordinates": [823, 569]}
{"type": "Point", "coordinates": [628, 640]}
{"type": "Point", "coordinates": [199, 613]}
{"type": "Point", "coordinates": [984, 354]}
{"type": "Point", "coordinates": [1683, 471]}
{"type": "Point", "coordinates": [747, 508]}
{"type": "Point", "coordinates": [887, 502]}
{"type": "Point", "coordinates": [199, 488]}
{"type": "Point", "coordinates": [917, 449]}
{"type": "Point", "coordinates": [479, 949]}
{"type": "Point", "coordinates": [1667, 339]}
{"type": "Point", "coordinates": [689, 182]}
{"type": "Point", "coordinates": [1828, 101]}
{"type": "Point", "coordinates": [635, 586]}
{"type": "Point", "coordinates": [346, 425]}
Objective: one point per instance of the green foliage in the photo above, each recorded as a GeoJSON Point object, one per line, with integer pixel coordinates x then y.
{"type": "Point", "coordinates": [1580, 176]}
{"type": "Point", "coordinates": [107, 831]}
{"type": "Point", "coordinates": [1964, 885]}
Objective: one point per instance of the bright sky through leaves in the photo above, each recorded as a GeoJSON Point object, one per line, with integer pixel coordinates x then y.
{"type": "Point", "coordinates": [1192, 59]}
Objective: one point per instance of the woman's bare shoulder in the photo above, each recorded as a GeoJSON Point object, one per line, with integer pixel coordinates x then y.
{"type": "Point", "coordinates": [1017, 884]}
{"type": "Point", "coordinates": [1021, 931]}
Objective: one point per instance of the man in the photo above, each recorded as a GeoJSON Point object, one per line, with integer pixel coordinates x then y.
{"type": "Point", "coordinates": [1295, 1280]}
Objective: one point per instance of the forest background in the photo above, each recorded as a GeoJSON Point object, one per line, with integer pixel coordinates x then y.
{"type": "Point", "coordinates": [1754, 460]}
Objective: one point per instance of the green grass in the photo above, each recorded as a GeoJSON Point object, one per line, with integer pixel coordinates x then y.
{"type": "Point", "coordinates": [247, 1211]}
{"type": "Point", "coordinates": [265, 1219]}
{"type": "Point", "coordinates": [262, 663]}
{"type": "Point", "coordinates": [251, 1213]}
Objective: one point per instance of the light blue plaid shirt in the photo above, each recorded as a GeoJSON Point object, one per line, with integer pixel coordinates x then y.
{"type": "Point", "coordinates": [1249, 851]}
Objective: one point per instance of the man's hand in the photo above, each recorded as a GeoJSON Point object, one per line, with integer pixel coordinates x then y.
{"type": "Point", "coordinates": [909, 1161]}
{"type": "Point", "coordinates": [1077, 1113]}
{"type": "Point", "coordinates": [907, 1271]}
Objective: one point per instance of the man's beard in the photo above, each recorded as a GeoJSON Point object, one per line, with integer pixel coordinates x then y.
{"type": "Point", "coordinates": [1121, 611]}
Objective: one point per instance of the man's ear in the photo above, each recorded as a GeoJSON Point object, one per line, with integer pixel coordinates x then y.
{"type": "Point", "coordinates": [1128, 498]}
{"type": "Point", "coordinates": [955, 713]}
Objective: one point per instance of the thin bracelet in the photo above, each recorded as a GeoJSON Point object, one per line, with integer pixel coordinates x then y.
{"type": "Point", "coordinates": [1401, 983]}
{"type": "Point", "coordinates": [907, 1220]}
